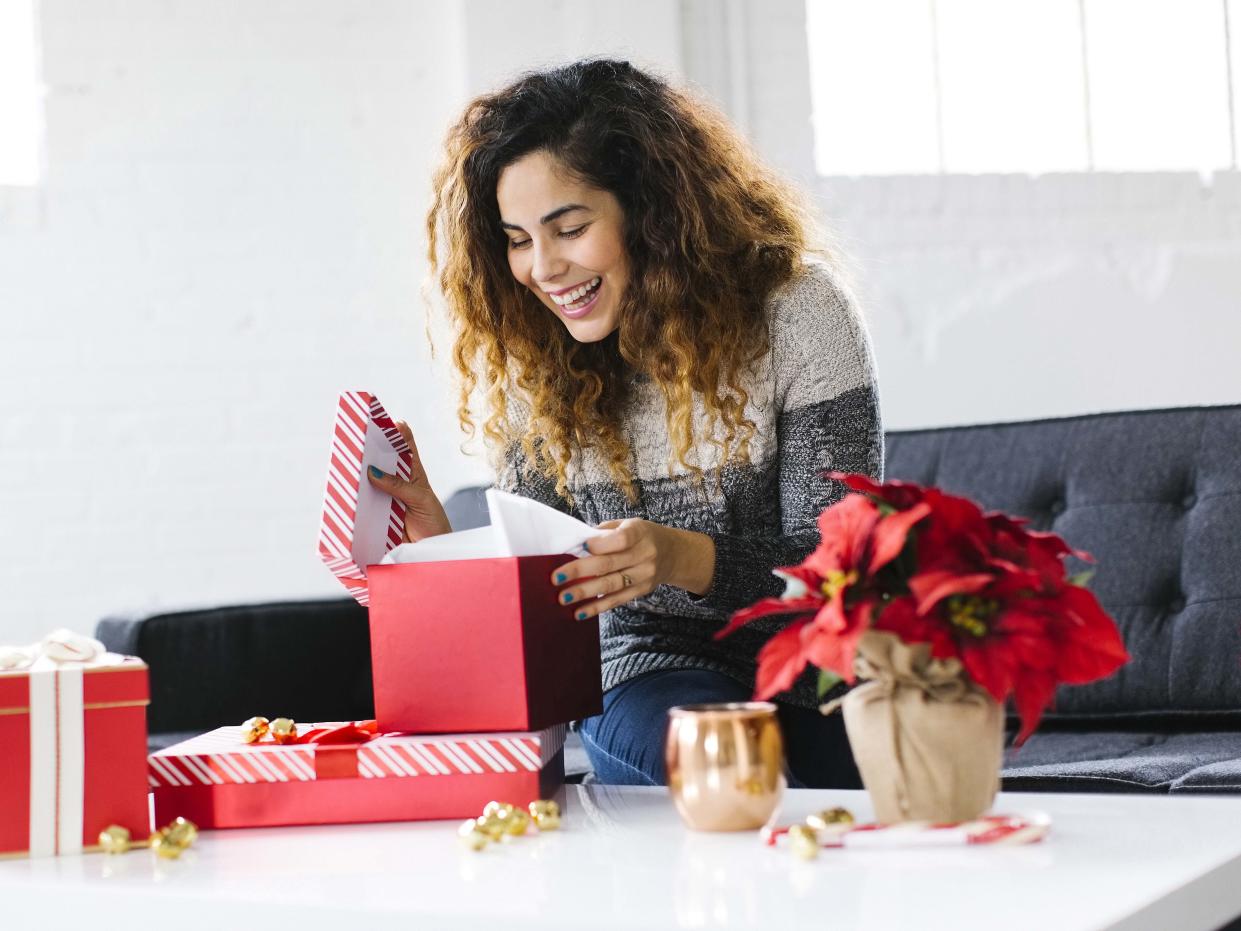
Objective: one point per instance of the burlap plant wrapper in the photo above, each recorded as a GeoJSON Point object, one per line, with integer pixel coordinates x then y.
{"type": "Point", "coordinates": [927, 741]}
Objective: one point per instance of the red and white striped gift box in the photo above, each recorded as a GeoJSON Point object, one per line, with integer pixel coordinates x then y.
{"type": "Point", "coordinates": [219, 781]}
{"type": "Point", "coordinates": [360, 524]}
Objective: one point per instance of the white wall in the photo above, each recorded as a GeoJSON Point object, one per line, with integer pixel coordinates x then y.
{"type": "Point", "coordinates": [229, 232]}
{"type": "Point", "coordinates": [997, 298]}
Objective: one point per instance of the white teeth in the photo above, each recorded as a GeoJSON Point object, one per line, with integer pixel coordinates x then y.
{"type": "Point", "coordinates": [576, 294]}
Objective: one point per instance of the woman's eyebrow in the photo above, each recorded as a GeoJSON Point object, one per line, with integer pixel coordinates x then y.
{"type": "Point", "coordinates": [554, 215]}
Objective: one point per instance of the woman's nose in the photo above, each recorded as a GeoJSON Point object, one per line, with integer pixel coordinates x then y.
{"type": "Point", "coordinates": [548, 263]}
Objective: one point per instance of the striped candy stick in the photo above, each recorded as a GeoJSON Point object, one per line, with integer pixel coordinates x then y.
{"type": "Point", "coordinates": [990, 829]}
{"type": "Point", "coordinates": [357, 414]}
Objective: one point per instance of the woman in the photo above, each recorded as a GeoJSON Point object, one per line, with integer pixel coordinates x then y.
{"type": "Point", "coordinates": [658, 353]}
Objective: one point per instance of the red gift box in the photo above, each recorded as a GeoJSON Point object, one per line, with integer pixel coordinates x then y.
{"type": "Point", "coordinates": [74, 738]}
{"type": "Point", "coordinates": [478, 645]}
{"type": "Point", "coordinates": [462, 645]}
{"type": "Point", "coordinates": [219, 781]}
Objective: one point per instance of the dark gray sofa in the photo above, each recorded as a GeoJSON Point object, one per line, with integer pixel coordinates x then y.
{"type": "Point", "coordinates": [1154, 495]}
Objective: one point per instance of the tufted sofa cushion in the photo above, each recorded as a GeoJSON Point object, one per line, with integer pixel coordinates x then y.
{"type": "Point", "coordinates": [1155, 496]}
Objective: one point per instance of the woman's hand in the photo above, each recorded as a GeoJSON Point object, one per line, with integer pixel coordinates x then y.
{"type": "Point", "coordinates": [631, 561]}
{"type": "Point", "coordinates": [424, 515]}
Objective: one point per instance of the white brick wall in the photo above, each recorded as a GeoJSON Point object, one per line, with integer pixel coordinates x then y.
{"type": "Point", "coordinates": [230, 233]}
{"type": "Point", "coordinates": [1008, 297]}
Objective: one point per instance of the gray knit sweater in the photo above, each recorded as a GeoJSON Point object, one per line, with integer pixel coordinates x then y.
{"type": "Point", "coordinates": [815, 405]}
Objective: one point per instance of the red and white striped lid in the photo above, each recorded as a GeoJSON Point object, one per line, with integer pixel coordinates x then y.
{"type": "Point", "coordinates": [361, 524]}
{"type": "Point", "coordinates": [222, 756]}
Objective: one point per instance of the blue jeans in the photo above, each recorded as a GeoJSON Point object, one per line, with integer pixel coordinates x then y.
{"type": "Point", "coordinates": [626, 743]}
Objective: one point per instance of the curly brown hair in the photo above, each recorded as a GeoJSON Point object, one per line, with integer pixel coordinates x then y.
{"type": "Point", "coordinates": [709, 234]}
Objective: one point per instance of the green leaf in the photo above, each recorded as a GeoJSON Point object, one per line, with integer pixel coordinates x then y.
{"type": "Point", "coordinates": [1081, 579]}
{"type": "Point", "coordinates": [827, 680]}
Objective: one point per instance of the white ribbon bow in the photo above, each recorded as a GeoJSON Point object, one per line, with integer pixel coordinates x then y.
{"type": "Point", "coordinates": [59, 647]}
{"type": "Point", "coordinates": [15, 657]}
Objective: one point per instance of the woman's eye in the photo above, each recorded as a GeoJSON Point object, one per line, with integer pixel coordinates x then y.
{"type": "Point", "coordinates": [518, 243]}
{"type": "Point", "coordinates": [574, 233]}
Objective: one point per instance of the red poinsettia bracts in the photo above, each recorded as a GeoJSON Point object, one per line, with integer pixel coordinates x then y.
{"type": "Point", "coordinates": [933, 568]}
{"type": "Point", "coordinates": [856, 541]}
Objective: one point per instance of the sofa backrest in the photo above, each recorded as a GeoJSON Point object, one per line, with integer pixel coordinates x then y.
{"type": "Point", "coordinates": [1155, 497]}
{"type": "Point", "coordinates": [308, 660]}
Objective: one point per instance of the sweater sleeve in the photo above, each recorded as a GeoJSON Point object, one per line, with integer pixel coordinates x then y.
{"type": "Point", "coordinates": [828, 419]}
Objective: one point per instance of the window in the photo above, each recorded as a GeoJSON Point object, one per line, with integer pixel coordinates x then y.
{"type": "Point", "coordinates": [1031, 86]}
{"type": "Point", "coordinates": [20, 97]}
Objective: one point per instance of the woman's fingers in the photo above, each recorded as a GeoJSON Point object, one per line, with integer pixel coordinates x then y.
{"type": "Point", "coordinates": [585, 568]}
{"type": "Point", "coordinates": [411, 491]}
{"type": "Point", "coordinates": [403, 491]}
{"type": "Point", "coordinates": [424, 514]}
{"type": "Point", "coordinates": [594, 606]}
{"type": "Point", "coordinates": [408, 436]}
{"type": "Point", "coordinates": [618, 540]}
{"type": "Point", "coordinates": [417, 473]}
{"type": "Point", "coordinates": [603, 583]}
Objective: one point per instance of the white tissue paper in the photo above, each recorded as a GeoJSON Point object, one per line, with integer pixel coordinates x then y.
{"type": "Point", "coordinates": [519, 527]}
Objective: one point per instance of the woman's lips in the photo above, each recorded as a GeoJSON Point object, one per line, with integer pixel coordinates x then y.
{"type": "Point", "coordinates": [584, 309]}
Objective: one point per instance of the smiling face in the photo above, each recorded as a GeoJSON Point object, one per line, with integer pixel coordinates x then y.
{"type": "Point", "coordinates": [565, 243]}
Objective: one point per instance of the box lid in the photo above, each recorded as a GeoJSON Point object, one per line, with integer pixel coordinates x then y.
{"type": "Point", "coordinates": [115, 681]}
{"type": "Point", "coordinates": [360, 524]}
{"type": "Point", "coordinates": [222, 756]}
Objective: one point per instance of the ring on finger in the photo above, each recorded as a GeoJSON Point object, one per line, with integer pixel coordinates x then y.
{"type": "Point", "coordinates": [628, 582]}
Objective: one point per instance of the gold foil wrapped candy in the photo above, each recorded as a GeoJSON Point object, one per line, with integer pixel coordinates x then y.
{"type": "Point", "coordinates": [472, 836]}
{"type": "Point", "coordinates": [546, 814]}
{"type": "Point", "coordinates": [516, 822]}
{"type": "Point", "coordinates": [804, 842]}
{"type": "Point", "coordinates": [114, 839]}
{"type": "Point", "coordinates": [182, 831]}
{"type": "Point", "coordinates": [165, 846]}
{"type": "Point", "coordinates": [171, 841]}
{"type": "Point", "coordinates": [503, 809]}
{"type": "Point", "coordinates": [492, 825]}
{"type": "Point", "coordinates": [501, 821]}
{"type": "Point", "coordinates": [503, 818]}
{"type": "Point", "coordinates": [255, 730]}
{"type": "Point", "coordinates": [834, 820]}
{"type": "Point", "coordinates": [283, 730]}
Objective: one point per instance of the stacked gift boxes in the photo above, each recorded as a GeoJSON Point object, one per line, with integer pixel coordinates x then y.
{"type": "Point", "coordinates": [218, 780]}
{"type": "Point", "coordinates": [476, 671]}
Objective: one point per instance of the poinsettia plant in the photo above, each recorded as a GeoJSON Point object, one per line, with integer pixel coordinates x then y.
{"type": "Point", "coordinates": [933, 568]}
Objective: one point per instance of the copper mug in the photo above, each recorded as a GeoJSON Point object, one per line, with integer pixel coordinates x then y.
{"type": "Point", "coordinates": [725, 764]}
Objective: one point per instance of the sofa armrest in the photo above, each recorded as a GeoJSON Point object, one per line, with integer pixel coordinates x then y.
{"type": "Point", "coordinates": [308, 660]}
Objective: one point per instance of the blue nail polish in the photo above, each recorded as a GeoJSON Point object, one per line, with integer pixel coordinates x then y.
{"type": "Point", "coordinates": [561, 578]}
{"type": "Point", "coordinates": [566, 598]}
{"type": "Point", "coordinates": [375, 473]}
{"type": "Point", "coordinates": [581, 615]}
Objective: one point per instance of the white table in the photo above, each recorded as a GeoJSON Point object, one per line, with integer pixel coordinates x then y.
{"type": "Point", "coordinates": [623, 860]}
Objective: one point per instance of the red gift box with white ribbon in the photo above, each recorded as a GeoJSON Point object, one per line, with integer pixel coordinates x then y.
{"type": "Point", "coordinates": [217, 780]}
{"type": "Point", "coordinates": [460, 645]}
{"type": "Point", "coordinates": [73, 729]}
